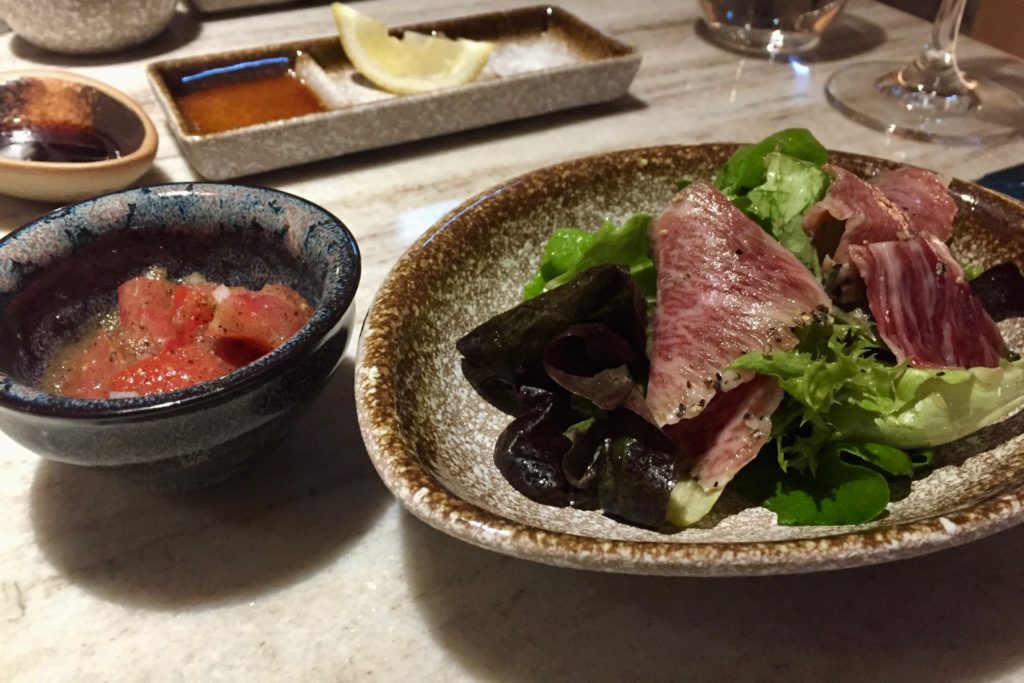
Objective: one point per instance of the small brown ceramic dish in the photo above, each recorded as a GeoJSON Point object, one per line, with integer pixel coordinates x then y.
{"type": "Point", "coordinates": [65, 137]}
{"type": "Point", "coordinates": [432, 438]}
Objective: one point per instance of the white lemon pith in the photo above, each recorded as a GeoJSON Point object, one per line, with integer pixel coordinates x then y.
{"type": "Point", "coordinates": [416, 63]}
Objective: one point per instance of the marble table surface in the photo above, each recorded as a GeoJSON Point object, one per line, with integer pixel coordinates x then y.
{"type": "Point", "coordinates": [306, 569]}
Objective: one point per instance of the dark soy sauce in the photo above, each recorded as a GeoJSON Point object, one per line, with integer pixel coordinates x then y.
{"type": "Point", "coordinates": [56, 142]}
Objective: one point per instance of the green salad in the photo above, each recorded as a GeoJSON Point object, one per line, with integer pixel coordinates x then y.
{"type": "Point", "coordinates": [854, 426]}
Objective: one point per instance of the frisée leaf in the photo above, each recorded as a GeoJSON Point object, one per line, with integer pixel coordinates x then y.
{"type": "Point", "coordinates": [835, 363]}
{"type": "Point", "coordinates": [847, 390]}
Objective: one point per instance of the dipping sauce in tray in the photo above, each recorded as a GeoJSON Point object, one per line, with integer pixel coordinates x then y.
{"type": "Point", "coordinates": [244, 94]}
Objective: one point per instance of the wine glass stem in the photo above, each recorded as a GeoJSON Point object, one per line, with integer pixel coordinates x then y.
{"type": "Point", "coordinates": [947, 26]}
{"type": "Point", "coordinates": [935, 70]}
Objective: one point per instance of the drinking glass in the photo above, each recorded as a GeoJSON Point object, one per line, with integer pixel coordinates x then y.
{"type": "Point", "coordinates": [930, 98]}
{"type": "Point", "coordinates": [769, 27]}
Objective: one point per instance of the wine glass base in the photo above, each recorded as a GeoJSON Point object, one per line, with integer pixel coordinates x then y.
{"type": "Point", "coordinates": [871, 93]}
{"type": "Point", "coordinates": [760, 42]}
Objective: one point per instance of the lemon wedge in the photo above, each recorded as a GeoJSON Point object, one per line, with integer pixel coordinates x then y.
{"type": "Point", "coordinates": [416, 63]}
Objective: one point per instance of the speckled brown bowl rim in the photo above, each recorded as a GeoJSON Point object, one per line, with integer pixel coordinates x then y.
{"type": "Point", "coordinates": [394, 456]}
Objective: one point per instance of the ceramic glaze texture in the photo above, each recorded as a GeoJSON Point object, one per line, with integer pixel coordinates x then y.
{"type": "Point", "coordinates": [432, 438]}
{"type": "Point", "coordinates": [59, 272]}
{"type": "Point", "coordinates": [87, 26]}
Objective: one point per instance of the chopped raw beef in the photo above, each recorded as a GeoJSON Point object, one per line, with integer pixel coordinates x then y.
{"type": "Point", "coordinates": [172, 368]}
{"type": "Point", "coordinates": [146, 309]}
{"type": "Point", "coordinates": [169, 335]}
{"type": "Point", "coordinates": [263, 319]}
{"type": "Point", "coordinates": [725, 287]}
{"type": "Point", "coordinates": [99, 358]}
{"type": "Point", "coordinates": [923, 198]}
{"type": "Point", "coordinates": [716, 444]}
{"type": "Point", "coordinates": [924, 307]}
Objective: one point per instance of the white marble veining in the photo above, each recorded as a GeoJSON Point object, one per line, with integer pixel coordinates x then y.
{"type": "Point", "coordinates": [306, 569]}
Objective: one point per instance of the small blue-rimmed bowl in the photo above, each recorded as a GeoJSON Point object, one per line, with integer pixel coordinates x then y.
{"type": "Point", "coordinates": [58, 272]}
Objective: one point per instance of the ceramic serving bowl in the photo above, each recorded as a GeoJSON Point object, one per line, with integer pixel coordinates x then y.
{"type": "Point", "coordinates": [432, 438]}
{"type": "Point", "coordinates": [42, 100]}
{"type": "Point", "coordinates": [87, 26]}
{"type": "Point", "coordinates": [64, 269]}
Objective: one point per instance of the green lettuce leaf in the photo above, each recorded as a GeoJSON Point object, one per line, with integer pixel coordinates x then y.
{"type": "Point", "coordinates": [972, 270]}
{"type": "Point", "coordinates": [848, 390]}
{"type": "Point", "coordinates": [746, 168]}
{"type": "Point", "coordinates": [888, 459]}
{"type": "Point", "coordinates": [837, 493]}
{"type": "Point", "coordinates": [570, 251]}
{"type": "Point", "coordinates": [791, 187]}
{"type": "Point", "coordinates": [563, 251]}
{"type": "Point", "coordinates": [849, 485]}
{"type": "Point", "coordinates": [795, 239]}
{"type": "Point", "coordinates": [934, 407]}
{"type": "Point", "coordinates": [689, 503]}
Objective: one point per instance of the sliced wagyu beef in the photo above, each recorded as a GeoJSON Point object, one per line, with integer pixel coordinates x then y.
{"type": "Point", "coordinates": [893, 205]}
{"type": "Point", "coordinates": [924, 307]}
{"type": "Point", "coordinates": [922, 197]}
{"type": "Point", "coordinates": [725, 287]}
{"type": "Point", "coordinates": [727, 435]}
{"type": "Point", "coordinates": [867, 216]}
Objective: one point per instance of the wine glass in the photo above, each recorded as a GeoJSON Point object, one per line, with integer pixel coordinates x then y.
{"type": "Point", "coordinates": [929, 98]}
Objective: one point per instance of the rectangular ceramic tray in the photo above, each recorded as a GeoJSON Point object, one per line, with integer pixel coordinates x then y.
{"type": "Point", "coordinates": [545, 59]}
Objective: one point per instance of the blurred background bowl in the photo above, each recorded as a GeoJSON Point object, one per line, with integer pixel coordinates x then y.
{"type": "Point", "coordinates": [62, 270]}
{"type": "Point", "coordinates": [87, 26]}
{"type": "Point", "coordinates": [38, 104]}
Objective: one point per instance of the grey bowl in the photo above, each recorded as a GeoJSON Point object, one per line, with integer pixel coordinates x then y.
{"type": "Point", "coordinates": [87, 26]}
{"type": "Point", "coordinates": [61, 270]}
